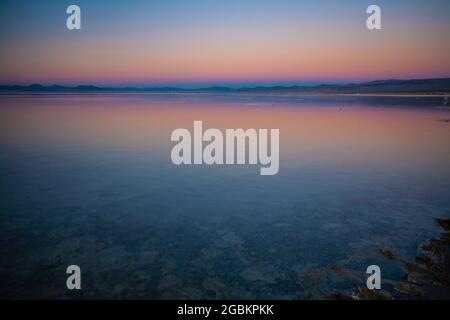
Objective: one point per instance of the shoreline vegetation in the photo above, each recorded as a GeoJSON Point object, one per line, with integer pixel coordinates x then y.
{"type": "Point", "coordinates": [382, 88]}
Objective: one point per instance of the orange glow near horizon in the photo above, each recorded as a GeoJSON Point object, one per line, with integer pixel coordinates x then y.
{"type": "Point", "coordinates": [270, 44]}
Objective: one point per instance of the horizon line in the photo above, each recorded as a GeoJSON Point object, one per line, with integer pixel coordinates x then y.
{"type": "Point", "coordinates": [214, 86]}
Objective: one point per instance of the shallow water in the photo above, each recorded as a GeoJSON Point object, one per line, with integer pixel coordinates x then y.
{"type": "Point", "coordinates": [88, 180]}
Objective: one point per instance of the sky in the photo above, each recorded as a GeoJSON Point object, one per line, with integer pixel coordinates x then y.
{"type": "Point", "coordinates": [193, 43]}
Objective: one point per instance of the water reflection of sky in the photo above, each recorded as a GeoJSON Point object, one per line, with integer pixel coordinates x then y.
{"type": "Point", "coordinates": [88, 180]}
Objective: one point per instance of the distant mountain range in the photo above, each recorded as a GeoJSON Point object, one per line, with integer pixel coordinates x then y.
{"type": "Point", "coordinates": [416, 86]}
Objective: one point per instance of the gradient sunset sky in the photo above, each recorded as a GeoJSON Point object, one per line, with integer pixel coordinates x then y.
{"type": "Point", "coordinates": [215, 42]}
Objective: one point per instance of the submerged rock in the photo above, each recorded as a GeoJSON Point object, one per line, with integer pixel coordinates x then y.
{"type": "Point", "coordinates": [387, 253]}
{"type": "Point", "coordinates": [258, 273]}
{"type": "Point", "coordinates": [426, 277]}
{"type": "Point", "coordinates": [228, 240]}
{"type": "Point", "coordinates": [362, 293]}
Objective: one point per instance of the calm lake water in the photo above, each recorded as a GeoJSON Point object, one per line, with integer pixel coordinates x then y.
{"type": "Point", "coordinates": [88, 180]}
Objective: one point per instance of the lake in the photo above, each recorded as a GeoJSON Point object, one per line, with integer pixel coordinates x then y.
{"type": "Point", "coordinates": [87, 179]}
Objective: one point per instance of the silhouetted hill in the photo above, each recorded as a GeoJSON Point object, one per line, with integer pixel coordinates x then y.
{"type": "Point", "coordinates": [416, 86]}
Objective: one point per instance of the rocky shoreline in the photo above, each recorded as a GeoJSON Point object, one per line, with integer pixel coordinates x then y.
{"type": "Point", "coordinates": [427, 277]}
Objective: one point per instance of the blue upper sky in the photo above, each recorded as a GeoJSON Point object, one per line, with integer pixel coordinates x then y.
{"type": "Point", "coordinates": [200, 42]}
